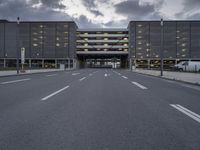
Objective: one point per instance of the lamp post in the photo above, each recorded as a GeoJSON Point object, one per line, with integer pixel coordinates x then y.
{"type": "Point", "coordinates": [17, 49]}
{"type": "Point", "coordinates": [161, 48]}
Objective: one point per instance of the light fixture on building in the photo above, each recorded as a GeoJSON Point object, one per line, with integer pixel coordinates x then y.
{"type": "Point", "coordinates": [35, 44]}
{"type": "Point", "coordinates": [86, 50]}
{"type": "Point", "coordinates": [184, 44]}
{"type": "Point", "coordinates": [57, 44]}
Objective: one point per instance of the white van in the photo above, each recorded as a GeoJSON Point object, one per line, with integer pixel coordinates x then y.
{"type": "Point", "coordinates": [188, 66]}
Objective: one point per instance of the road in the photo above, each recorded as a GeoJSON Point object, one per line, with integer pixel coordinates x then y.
{"type": "Point", "coordinates": [98, 109]}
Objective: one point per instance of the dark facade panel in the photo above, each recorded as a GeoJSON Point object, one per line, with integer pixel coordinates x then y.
{"type": "Point", "coordinates": [169, 40]}
{"type": "Point", "coordinates": [24, 38]}
{"type": "Point", "coordinates": [36, 40]}
{"type": "Point", "coordinates": [49, 37]}
{"type": "Point", "coordinates": [142, 40]}
{"type": "Point", "coordinates": [155, 36]}
{"type": "Point", "coordinates": [1, 40]}
{"type": "Point", "coordinates": [10, 40]}
{"type": "Point", "coordinates": [62, 40]}
{"type": "Point", "coordinates": [132, 39]}
{"type": "Point", "coordinates": [72, 38]}
{"type": "Point", "coordinates": [195, 40]}
{"type": "Point", "coordinates": [183, 39]}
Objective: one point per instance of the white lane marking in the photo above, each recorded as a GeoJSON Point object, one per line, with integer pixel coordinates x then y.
{"type": "Point", "coordinates": [124, 77]}
{"type": "Point", "coordinates": [90, 74]}
{"type": "Point", "coordinates": [50, 75]}
{"type": "Point", "coordinates": [82, 79]}
{"type": "Point", "coordinates": [139, 85]}
{"type": "Point", "coordinates": [95, 72]}
{"type": "Point", "coordinates": [186, 112]}
{"type": "Point", "coordinates": [105, 74]}
{"type": "Point", "coordinates": [74, 74]}
{"type": "Point", "coordinates": [14, 81]}
{"type": "Point", "coordinates": [49, 96]}
{"type": "Point", "coordinates": [119, 74]}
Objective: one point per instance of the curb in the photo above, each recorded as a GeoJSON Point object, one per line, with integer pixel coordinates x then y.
{"type": "Point", "coordinates": [174, 79]}
{"type": "Point", "coordinates": [12, 75]}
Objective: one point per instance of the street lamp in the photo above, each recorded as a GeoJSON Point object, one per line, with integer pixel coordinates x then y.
{"type": "Point", "coordinates": [17, 49]}
{"type": "Point", "coordinates": [161, 48]}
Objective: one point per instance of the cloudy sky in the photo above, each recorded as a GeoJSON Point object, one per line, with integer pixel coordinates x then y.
{"type": "Point", "coordinates": [99, 13]}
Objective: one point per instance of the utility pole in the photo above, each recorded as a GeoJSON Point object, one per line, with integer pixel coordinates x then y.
{"type": "Point", "coordinates": [17, 49]}
{"type": "Point", "coordinates": [161, 48]}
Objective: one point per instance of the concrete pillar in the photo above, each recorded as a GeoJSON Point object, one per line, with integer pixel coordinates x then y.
{"type": "Point", "coordinates": [30, 63]}
{"type": "Point", "coordinates": [56, 63]}
{"type": "Point", "coordinates": [68, 63]}
{"type": "Point", "coordinates": [74, 63]}
{"type": "Point", "coordinates": [149, 63]}
{"type": "Point", "coordinates": [130, 64]}
{"type": "Point", "coordinates": [135, 63]}
{"type": "Point", "coordinates": [42, 63]}
{"type": "Point", "coordinates": [4, 63]}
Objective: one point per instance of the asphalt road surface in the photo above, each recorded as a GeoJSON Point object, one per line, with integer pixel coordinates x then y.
{"type": "Point", "coordinates": [98, 109]}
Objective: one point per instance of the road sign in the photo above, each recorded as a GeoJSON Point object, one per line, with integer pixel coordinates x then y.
{"type": "Point", "coordinates": [22, 55]}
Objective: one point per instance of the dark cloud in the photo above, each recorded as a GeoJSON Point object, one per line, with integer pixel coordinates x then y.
{"type": "Point", "coordinates": [11, 9]}
{"type": "Point", "coordinates": [49, 3]}
{"type": "Point", "coordinates": [92, 7]}
{"type": "Point", "coordinates": [89, 3]}
{"type": "Point", "coordinates": [96, 12]}
{"type": "Point", "coordinates": [134, 10]}
{"type": "Point", "coordinates": [189, 6]}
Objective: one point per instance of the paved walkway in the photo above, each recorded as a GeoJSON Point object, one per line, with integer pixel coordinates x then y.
{"type": "Point", "coordinates": [14, 72]}
{"type": "Point", "coordinates": [179, 76]}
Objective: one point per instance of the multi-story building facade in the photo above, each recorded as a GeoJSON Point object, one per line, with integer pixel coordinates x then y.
{"type": "Point", "coordinates": [181, 41]}
{"type": "Point", "coordinates": [45, 43]}
{"type": "Point", "coordinates": [102, 46]}
{"type": "Point", "coordinates": [51, 43]}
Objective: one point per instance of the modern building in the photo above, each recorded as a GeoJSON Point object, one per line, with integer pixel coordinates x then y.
{"type": "Point", "coordinates": [101, 47]}
{"type": "Point", "coordinates": [48, 44]}
{"type": "Point", "coordinates": [181, 41]}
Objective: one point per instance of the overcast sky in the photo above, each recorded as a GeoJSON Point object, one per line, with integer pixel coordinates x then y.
{"type": "Point", "coordinates": [99, 13]}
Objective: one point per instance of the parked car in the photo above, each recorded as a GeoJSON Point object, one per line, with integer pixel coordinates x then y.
{"type": "Point", "coordinates": [188, 66]}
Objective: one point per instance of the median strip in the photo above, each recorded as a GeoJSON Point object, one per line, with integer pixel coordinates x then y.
{"type": "Point", "coordinates": [186, 112]}
{"type": "Point", "coordinates": [139, 85]}
{"type": "Point", "coordinates": [15, 81]}
{"type": "Point", "coordinates": [51, 95]}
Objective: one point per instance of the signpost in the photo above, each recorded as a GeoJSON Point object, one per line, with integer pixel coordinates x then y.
{"type": "Point", "coordinates": [22, 58]}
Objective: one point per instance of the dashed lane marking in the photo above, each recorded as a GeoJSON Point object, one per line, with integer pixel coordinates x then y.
{"type": "Point", "coordinates": [54, 93]}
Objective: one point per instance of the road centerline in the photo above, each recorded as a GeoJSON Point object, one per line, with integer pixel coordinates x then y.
{"type": "Point", "coordinates": [15, 81]}
{"type": "Point", "coordinates": [54, 93]}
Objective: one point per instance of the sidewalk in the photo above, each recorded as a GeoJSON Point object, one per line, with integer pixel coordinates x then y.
{"type": "Point", "coordinates": [14, 72]}
{"type": "Point", "coordinates": [193, 78]}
